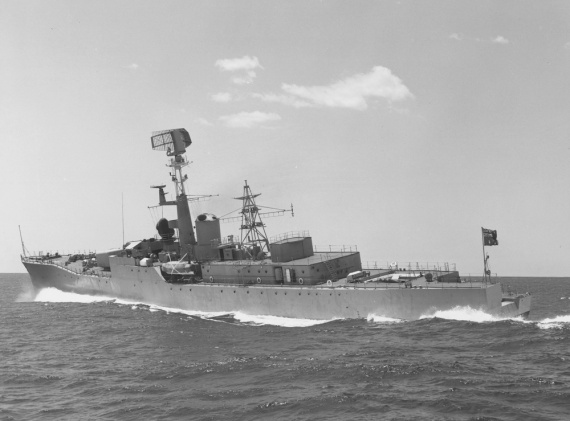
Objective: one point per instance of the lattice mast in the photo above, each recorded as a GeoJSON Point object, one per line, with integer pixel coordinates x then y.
{"type": "Point", "coordinates": [252, 227]}
{"type": "Point", "coordinates": [175, 142]}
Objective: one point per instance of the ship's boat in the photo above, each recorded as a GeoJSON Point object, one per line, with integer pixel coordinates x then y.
{"type": "Point", "coordinates": [188, 264]}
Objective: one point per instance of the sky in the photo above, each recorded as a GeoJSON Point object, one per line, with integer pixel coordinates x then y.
{"type": "Point", "coordinates": [401, 127]}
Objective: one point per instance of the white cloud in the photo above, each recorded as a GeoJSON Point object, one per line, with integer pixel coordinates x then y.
{"type": "Point", "coordinates": [204, 122]}
{"type": "Point", "coordinates": [245, 66]}
{"type": "Point", "coordinates": [249, 119]}
{"type": "Point", "coordinates": [283, 99]}
{"type": "Point", "coordinates": [353, 92]}
{"type": "Point", "coordinates": [132, 66]}
{"type": "Point", "coordinates": [222, 97]}
{"type": "Point", "coordinates": [500, 40]}
{"type": "Point", "coordinates": [245, 79]}
{"type": "Point", "coordinates": [456, 37]}
{"type": "Point", "coordinates": [234, 64]}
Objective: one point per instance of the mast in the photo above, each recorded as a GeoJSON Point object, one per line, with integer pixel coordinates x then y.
{"type": "Point", "coordinates": [252, 227]}
{"type": "Point", "coordinates": [175, 142]}
{"type": "Point", "coordinates": [253, 236]}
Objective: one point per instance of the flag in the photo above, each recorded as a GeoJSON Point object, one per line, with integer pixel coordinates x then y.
{"type": "Point", "coordinates": [490, 237]}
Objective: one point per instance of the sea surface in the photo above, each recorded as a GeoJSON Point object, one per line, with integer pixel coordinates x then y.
{"type": "Point", "coordinates": [72, 357]}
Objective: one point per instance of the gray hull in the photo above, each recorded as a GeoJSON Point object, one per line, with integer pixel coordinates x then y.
{"type": "Point", "coordinates": [146, 285]}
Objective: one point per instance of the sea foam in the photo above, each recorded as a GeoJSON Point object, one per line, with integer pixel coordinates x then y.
{"type": "Point", "coordinates": [557, 322]}
{"type": "Point", "coordinates": [277, 321]}
{"type": "Point", "coordinates": [382, 319]}
{"type": "Point", "coordinates": [54, 295]}
{"type": "Point", "coordinates": [462, 313]}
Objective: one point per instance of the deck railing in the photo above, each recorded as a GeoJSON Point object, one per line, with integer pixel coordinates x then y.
{"type": "Point", "coordinates": [423, 266]}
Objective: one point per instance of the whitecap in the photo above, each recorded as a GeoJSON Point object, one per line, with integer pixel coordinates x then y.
{"type": "Point", "coordinates": [382, 319]}
{"type": "Point", "coordinates": [467, 314]}
{"type": "Point", "coordinates": [277, 321]}
{"type": "Point", "coordinates": [54, 295]}
{"type": "Point", "coordinates": [554, 323]}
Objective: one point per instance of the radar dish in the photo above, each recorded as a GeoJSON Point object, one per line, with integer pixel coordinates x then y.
{"type": "Point", "coordinates": [174, 141]}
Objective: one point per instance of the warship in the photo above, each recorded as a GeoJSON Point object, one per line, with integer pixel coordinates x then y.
{"type": "Point", "coordinates": [187, 264]}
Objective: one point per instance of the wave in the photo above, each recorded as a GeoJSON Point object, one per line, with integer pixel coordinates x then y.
{"type": "Point", "coordinates": [479, 316]}
{"type": "Point", "coordinates": [277, 321]}
{"type": "Point", "coordinates": [54, 295]}
{"type": "Point", "coordinates": [382, 319]}
{"type": "Point", "coordinates": [557, 322]}
{"type": "Point", "coordinates": [466, 314]}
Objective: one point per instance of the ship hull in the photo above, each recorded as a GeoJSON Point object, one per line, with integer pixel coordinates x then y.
{"type": "Point", "coordinates": [146, 285]}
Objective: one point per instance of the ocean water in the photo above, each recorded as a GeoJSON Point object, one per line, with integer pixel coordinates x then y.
{"type": "Point", "coordinates": [70, 357]}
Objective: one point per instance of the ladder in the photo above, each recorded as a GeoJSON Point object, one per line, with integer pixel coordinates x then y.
{"type": "Point", "coordinates": [331, 270]}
